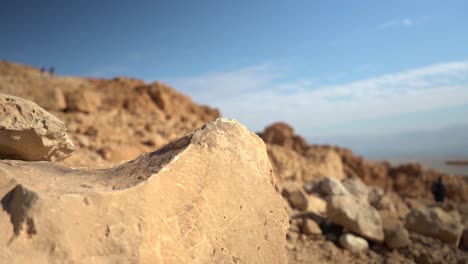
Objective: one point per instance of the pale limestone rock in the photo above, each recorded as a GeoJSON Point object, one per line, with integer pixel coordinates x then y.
{"type": "Point", "coordinates": [357, 188]}
{"type": "Point", "coordinates": [316, 205]}
{"type": "Point", "coordinates": [353, 243]}
{"type": "Point", "coordinates": [355, 215]}
{"type": "Point", "coordinates": [332, 186]}
{"type": "Point", "coordinates": [28, 132]}
{"type": "Point", "coordinates": [208, 197]}
{"type": "Point", "coordinates": [434, 222]}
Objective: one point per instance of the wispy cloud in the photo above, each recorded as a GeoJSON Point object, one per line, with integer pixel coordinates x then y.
{"type": "Point", "coordinates": [257, 96]}
{"type": "Point", "coordinates": [404, 22]}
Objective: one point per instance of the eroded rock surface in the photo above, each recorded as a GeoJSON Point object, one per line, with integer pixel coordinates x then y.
{"type": "Point", "coordinates": [28, 132]}
{"type": "Point", "coordinates": [356, 216]}
{"type": "Point", "coordinates": [434, 222]}
{"type": "Point", "coordinates": [208, 197]}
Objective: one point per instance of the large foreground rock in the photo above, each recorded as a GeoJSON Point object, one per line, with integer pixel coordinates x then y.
{"type": "Point", "coordinates": [434, 222]}
{"type": "Point", "coordinates": [28, 132]}
{"type": "Point", "coordinates": [208, 197]}
{"type": "Point", "coordinates": [355, 215]}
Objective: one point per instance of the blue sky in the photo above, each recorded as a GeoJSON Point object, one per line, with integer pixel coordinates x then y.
{"type": "Point", "coordinates": [328, 68]}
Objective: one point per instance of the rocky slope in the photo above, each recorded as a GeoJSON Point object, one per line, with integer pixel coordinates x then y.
{"type": "Point", "coordinates": [342, 208]}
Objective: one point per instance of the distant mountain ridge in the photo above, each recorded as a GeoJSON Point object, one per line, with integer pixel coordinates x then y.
{"type": "Point", "coordinates": [451, 142]}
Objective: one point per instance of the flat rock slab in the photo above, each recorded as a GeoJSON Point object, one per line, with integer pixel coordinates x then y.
{"type": "Point", "coordinates": [28, 132]}
{"type": "Point", "coordinates": [208, 197]}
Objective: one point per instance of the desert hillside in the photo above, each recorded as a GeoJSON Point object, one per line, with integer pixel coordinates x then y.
{"type": "Point", "coordinates": [341, 207]}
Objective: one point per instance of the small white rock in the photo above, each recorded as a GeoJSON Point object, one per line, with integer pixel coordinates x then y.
{"type": "Point", "coordinates": [353, 243]}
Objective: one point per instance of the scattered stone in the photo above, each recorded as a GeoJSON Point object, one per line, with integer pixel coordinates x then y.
{"type": "Point", "coordinates": [434, 222]}
{"type": "Point", "coordinates": [310, 227]}
{"type": "Point", "coordinates": [295, 195]}
{"type": "Point", "coordinates": [393, 203]}
{"type": "Point", "coordinates": [316, 205]}
{"type": "Point", "coordinates": [375, 194]}
{"type": "Point", "coordinates": [355, 215]}
{"type": "Point", "coordinates": [331, 186]}
{"type": "Point", "coordinates": [353, 243]}
{"type": "Point", "coordinates": [211, 189]}
{"type": "Point", "coordinates": [357, 188]}
{"type": "Point", "coordinates": [28, 132]}
{"type": "Point", "coordinates": [396, 235]}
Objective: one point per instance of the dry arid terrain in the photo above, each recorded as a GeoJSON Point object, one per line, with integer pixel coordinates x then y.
{"type": "Point", "coordinates": [122, 171]}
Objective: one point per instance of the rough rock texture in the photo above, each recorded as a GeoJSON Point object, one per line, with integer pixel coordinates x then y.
{"type": "Point", "coordinates": [295, 195]}
{"type": "Point", "coordinates": [332, 186]}
{"type": "Point", "coordinates": [316, 205]}
{"type": "Point", "coordinates": [357, 188]}
{"type": "Point", "coordinates": [28, 132]}
{"type": "Point", "coordinates": [290, 165]}
{"type": "Point", "coordinates": [434, 222]}
{"type": "Point", "coordinates": [310, 227]}
{"type": "Point", "coordinates": [396, 235]}
{"type": "Point", "coordinates": [353, 243]}
{"type": "Point", "coordinates": [283, 134]}
{"type": "Point", "coordinates": [208, 197]}
{"type": "Point", "coordinates": [356, 216]}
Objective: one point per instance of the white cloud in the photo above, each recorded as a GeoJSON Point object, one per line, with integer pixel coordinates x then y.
{"type": "Point", "coordinates": [257, 96]}
{"type": "Point", "coordinates": [404, 22]}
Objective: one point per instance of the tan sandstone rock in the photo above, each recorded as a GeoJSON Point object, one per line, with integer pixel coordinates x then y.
{"type": "Point", "coordinates": [295, 195]}
{"type": "Point", "coordinates": [434, 222]}
{"type": "Point", "coordinates": [28, 132]}
{"type": "Point", "coordinates": [208, 197]}
{"type": "Point", "coordinates": [396, 235]}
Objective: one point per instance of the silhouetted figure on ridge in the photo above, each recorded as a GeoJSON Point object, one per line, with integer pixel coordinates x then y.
{"type": "Point", "coordinates": [43, 70]}
{"type": "Point", "coordinates": [439, 190]}
{"type": "Point", "coordinates": [52, 71]}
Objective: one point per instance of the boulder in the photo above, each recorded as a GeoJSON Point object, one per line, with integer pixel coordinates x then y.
{"type": "Point", "coordinates": [396, 235]}
{"type": "Point", "coordinates": [357, 188]}
{"type": "Point", "coordinates": [207, 197]}
{"type": "Point", "coordinates": [332, 186]}
{"type": "Point", "coordinates": [353, 243]}
{"type": "Point", "coordinates": [434, 222]}
{"type": "Point", "coordinates": [282, 134]}
{"type": "Point", "coordinates": [316, 205]}
{"type": "Point", "coordinates": [28, 132]}
{"type": "Point", "coordinates": [355, 215]}
{"type": "Point", "coordinates": [326, 162]}
{"type": "Point", "coordinates": [295, 195]}
{"type": "Point", "coordinates": [86, 101]}
{"type": "Point", "coordinates": [393, 203]}
{"type": "Point", "coordinates": [291, 165]}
